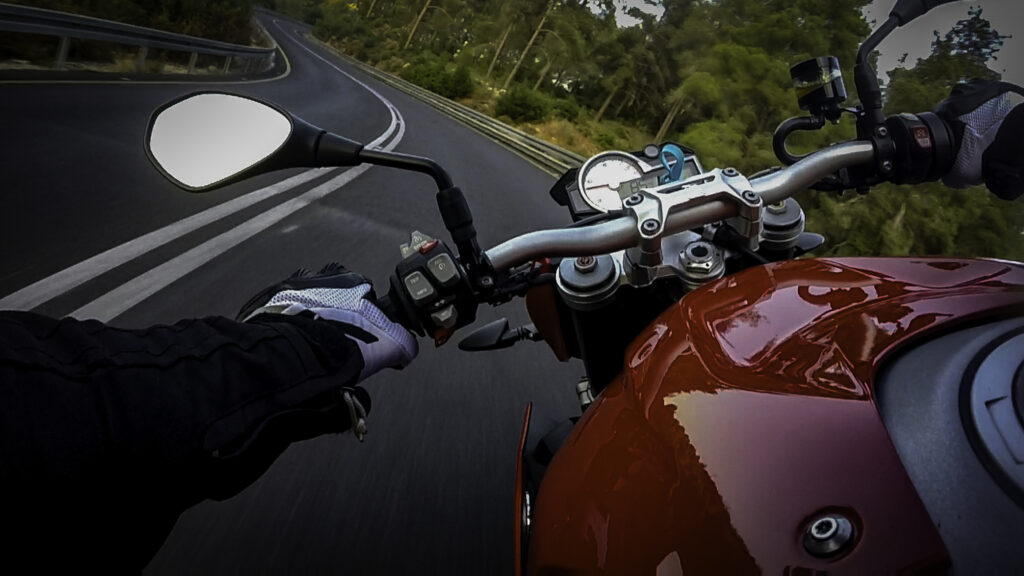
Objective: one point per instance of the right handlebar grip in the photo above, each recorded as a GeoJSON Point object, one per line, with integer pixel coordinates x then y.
{"type": "Point", "coordinates": [925, 147]}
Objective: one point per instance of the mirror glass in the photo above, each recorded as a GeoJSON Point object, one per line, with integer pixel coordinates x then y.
{"type": "Point", "coordinates": [206, 138]}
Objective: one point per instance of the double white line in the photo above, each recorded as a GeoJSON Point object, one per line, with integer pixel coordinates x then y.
{"type": "Point", "coordinates": [127, 295]}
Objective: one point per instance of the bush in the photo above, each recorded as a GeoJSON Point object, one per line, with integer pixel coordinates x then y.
{"type": "Point", "coordinates": [605, 139]}
{"type": "Point", "coordinates": [457, 84]}
{"type": "Point", "coordinates": [432, 73]}
{"type": "Point", "coordinates": [341, 22]}
{"type": "Point", "coordinates": [522, 105]}
{"type": "Point", "coordinates": [565, 107]}
{"type": "Point", "coordinates": [393, 64]}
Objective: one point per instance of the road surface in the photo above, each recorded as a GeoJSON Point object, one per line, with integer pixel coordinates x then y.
{"type": "Point", "coordinates": [89, 228]}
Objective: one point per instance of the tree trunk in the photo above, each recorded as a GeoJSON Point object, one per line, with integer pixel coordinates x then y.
{"type": "Point", "coordinates": [370, 11]}
{"type": "Point", "coordinates": [624, 102]}
{"type": "Point", "coordinates": [607, 101]}
{"type": "Point", "coordinates": [551, 6]}
{"type": "Point", "coordinates": [501, 46]}
{"type": "Point", "coordinates": [416, 24]}
{"type": "Point", "coordinates": [670, 120]}
{"type": "Point", "coordinates": [543, 74]}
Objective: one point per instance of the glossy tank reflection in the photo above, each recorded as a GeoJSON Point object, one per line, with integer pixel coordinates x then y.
{"type": "Point", "coordinates": [747, 410]}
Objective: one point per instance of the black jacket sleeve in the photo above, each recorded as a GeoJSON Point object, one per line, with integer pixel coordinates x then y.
{"type": "Point", "coordinates": [108, 434]}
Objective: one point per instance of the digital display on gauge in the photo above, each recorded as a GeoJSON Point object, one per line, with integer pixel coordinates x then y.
{"type": "Point", "coordinates": [627, 189]}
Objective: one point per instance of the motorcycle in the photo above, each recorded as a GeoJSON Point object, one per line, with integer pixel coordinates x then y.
{"type": "Point", "coordinates": [744, 410]}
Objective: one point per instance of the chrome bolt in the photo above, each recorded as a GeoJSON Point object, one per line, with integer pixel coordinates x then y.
{"type": "Point", "coordinates": [824, 528]}
{"type": "Point", "coordinates": [634, 200]}
{"type": "Point", "coordinates": [486, 282]}
{"type": "Point", "coordinates": [585, 264]}
{"type": "Point", "coordinates": [649, 226]}
{"type": "Point", "coordinates": [730, 172]}
{"type": "Point", "coordinates": [828, 535]}
{"type": "Point", "coordinates": [750, 196]}
{"type": "Point", "coordinates": [777, 208]}
{"type": "Point", "coordinates": [882, 132]}
{"type": "Point", "coordinates": [887, 166]}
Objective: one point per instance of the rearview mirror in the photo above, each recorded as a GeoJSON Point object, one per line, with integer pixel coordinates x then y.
{"type": "Point", "coordinates": [207, 139]}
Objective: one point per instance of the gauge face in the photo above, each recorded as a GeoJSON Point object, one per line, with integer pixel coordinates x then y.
{"type": "Point", "coordinates": [608, 178]}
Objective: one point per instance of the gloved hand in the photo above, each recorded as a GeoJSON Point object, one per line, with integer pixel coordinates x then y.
{"type": "Point", "coordinates": [343, 297]}
{"type": "Point", "coordinates": [988, 121]}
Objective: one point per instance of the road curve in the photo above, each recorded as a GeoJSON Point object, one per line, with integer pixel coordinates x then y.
{"type": "Point", "coordinates": [431, 489]}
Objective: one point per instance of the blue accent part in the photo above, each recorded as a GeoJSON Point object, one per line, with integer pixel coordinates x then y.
{"type": "Point", "coordinates": [675, 169]}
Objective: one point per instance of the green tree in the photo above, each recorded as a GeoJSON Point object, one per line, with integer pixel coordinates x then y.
{"type": "Point", "coordinates": [960, 54]}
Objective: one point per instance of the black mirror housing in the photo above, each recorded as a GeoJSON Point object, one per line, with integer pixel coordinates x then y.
{"type": "Point", "coordinates": [906, 10]}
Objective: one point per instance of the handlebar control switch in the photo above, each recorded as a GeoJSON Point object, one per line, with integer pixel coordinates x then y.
{"type": "Point", "coordinates": [924, 147]}
{"type": "Point", "coordinates": [418, 288]}
{"type": "Point", "coordinates": [432, 288]}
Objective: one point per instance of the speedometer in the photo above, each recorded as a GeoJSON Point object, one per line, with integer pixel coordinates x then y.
{"type": "Point", "coordinates": [608, 178]}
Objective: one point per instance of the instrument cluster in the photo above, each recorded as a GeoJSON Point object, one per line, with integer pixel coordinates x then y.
{"type": "Point", "coordinates": [607, 179]}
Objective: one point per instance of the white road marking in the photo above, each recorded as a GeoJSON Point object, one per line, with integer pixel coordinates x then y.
{"type": "Point", "coordinates": [56, 284]}
{"type": "Point", "coordinates": [52, 286]}
{"type": "Point", "coordinates": [131, 293]}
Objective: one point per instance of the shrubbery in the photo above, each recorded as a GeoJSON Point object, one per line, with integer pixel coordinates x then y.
{"type": "Point", "coordinates": [434, 75]}
{"type": "Point", "coordinates": [566, 107]}
{"type": "Point", "coordinates": [339, 21]}
{"type": "Point", "coordinates": [522, 105]}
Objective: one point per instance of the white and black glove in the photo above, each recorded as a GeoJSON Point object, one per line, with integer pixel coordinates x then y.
{"type": "Point", "coordinates": [988, 121]}
{"type": "Point", "coordinates": [335, 294]}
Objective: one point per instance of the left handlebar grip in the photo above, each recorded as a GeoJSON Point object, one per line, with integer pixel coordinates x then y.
{"type": "Point", "coordinates": [394, 307]}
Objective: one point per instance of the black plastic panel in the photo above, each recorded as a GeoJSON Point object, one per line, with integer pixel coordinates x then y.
{"type": "Point", "coordinates": [919, 395]}
{"type": "Point", "coordinates": [986, 406]}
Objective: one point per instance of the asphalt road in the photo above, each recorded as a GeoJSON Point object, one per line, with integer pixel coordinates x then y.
{"type": "Point", "coordinates": [431, 489]}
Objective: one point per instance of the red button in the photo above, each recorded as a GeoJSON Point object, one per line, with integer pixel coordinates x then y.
{"type": "Point", "coordinates": [428, 246]}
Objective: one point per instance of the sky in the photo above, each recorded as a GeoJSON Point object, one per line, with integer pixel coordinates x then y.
{"type": "Point", "coordinates": [915, 39]}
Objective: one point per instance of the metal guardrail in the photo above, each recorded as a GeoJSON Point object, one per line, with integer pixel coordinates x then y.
{"type": "Point", "coordinates": [24, 19]}
{"type": "Point", "coordinates": [550, 158]}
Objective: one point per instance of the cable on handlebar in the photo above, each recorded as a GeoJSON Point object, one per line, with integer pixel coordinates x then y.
{"type": "Point", "coordinates": [609, 215]}
{"type": "Point", "coordinates": [788, 127]}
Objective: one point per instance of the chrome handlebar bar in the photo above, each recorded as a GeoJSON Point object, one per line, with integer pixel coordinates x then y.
{"type": "Point", "coordinates": [622, 233]}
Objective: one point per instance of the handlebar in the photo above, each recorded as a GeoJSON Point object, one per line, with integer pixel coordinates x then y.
{"type": "Point", "coordinates": [622, 233]}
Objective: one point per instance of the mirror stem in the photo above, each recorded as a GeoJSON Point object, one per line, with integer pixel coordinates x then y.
{"type": "Point", "coordinates": [864, 76]}
{"type": "Point", "coordinates": [334, 150]}
{"type": "Point", "coordinates": [408, 162]}
{"type": "Point", "coordinates": [455, 212]}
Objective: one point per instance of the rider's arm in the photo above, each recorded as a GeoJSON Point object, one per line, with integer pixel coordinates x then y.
{"type": "Point", "coordinates": [134, 426]}
{"type": "Point", "coordinates": [988, 121]}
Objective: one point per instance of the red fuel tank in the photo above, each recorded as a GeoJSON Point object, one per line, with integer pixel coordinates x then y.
{"type": "Point", "coordinates": [746, 411]}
